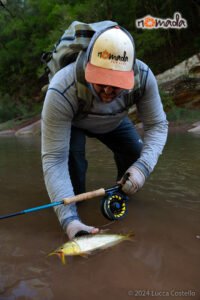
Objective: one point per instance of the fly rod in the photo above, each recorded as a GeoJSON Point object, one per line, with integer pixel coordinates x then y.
{"type": "Point", "coordinates": [66, 201]}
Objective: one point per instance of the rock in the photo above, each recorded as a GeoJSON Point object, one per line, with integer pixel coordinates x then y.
{"type": "Point", "coordinates": [195, 130]}
{"type": "Point", "coordinates": [182, 83]}
{"type": "Point", "coordinates": [196, 124]}
{"type": "Point", "coordinates": [33, 129]}
{"type": "Point", "coordinates": [188, 67]}
{"type": "Point", "coordinates": [9, 132]}
{"type": "Point", "coordinates": [186, 92]}
{"type": "Point", "coordinates": [194, 71]}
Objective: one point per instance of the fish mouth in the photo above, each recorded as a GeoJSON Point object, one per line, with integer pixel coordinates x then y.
{"type": "Point", "coordinates": [60, 254]}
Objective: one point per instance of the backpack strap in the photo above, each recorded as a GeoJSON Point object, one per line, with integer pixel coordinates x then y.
{"type": "Point", "coordinates": [80, 67]}
{"type": "Point", "coordinates": [140, 76]}
{"type": "Point", "coordinates": [85, 96]}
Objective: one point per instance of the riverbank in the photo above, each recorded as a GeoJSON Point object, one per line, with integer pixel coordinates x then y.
{"type": "Point", "coordinates": [179, 127]}
{"type": "Point", "coordinates": [32, 127]}
{"type": "Point", "coordinates": [27, 126]}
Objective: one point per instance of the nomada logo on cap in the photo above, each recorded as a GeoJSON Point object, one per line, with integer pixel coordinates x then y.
{"type": "Point", "coordinates": [106, 55]}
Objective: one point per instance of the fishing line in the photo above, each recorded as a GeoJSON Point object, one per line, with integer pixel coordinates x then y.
{"type": "Point", "coordinates": [107, 224]}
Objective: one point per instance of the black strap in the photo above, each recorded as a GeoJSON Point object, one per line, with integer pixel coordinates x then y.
{"type": "Point", "coordinates": [80, 67]}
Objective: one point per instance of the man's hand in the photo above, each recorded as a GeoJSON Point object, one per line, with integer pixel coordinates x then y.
{"type": "Point", "coordinates": [135, 180]}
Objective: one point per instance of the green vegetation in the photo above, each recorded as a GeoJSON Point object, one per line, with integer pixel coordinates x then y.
{"type": "Point", "coordinates": [24, 120]}
{"type": "Point", "coordinates": [183, 115]}
{"type": "Point", "coordinates": [176, 114]}
{"type": "Point", "coordinates": [167, 100]}
{"type": "Point", "coordinates": [29, 27]}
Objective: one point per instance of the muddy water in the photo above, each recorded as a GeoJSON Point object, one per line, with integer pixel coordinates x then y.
{"type": "Point", "coordinates": [162, 262]}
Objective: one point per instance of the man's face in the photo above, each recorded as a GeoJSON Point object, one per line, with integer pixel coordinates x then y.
{"type": "Point", "coordinates": [106, 92]}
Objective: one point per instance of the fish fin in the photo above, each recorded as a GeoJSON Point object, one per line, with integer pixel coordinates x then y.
{"type": "Point", "coordinates": [129, 236]}
{"type": "Point", "coordinates": [85, 254]}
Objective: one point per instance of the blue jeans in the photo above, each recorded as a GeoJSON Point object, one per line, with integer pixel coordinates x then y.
{"type": "Point", "coordinates": [124, 142]}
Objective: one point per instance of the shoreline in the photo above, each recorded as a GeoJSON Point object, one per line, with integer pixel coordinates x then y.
{"type": "Point", "coordinates": [176, 127]}
{"type": "Point", "coordinates": [32, 128]}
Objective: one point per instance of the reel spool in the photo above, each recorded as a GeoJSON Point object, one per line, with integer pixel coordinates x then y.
{"type": "Point", "coordinates": [114, 205]}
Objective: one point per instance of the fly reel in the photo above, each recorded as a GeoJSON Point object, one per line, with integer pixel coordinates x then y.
{"type": "Point", "coordinates": [114, 205]}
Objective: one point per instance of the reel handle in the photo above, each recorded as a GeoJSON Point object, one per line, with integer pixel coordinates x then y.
{"type": "Point", "coordinates": [85, 196]}
{"type": "Point", "coordinates": [93, 194]}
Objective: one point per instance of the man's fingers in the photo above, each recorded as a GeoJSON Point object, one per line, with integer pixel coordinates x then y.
{"type": "Point", "coordinates": [129, 187]}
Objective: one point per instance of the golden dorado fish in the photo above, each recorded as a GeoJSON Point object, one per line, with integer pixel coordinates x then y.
{"type": "Point", "coordinates": [86, 244]}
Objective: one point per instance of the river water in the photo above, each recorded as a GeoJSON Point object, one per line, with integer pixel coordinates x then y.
{"type": "Point", "coordinates": [163, 261]}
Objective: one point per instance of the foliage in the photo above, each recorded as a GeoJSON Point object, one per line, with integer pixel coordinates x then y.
{"type": "Point", "coordinates": [8, 109]}
{"type": "Point", "coordinates": [167, 100]}
{"type": "Point", "coordinates": [11, 110]}
{"type": "Point", "coordinates": [28, 27]}
{"type": "Point", "coordinates": [179, 115]}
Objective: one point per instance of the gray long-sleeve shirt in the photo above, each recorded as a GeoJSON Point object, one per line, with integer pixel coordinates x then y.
{"type": "Point", "coordinates": [59, 110]}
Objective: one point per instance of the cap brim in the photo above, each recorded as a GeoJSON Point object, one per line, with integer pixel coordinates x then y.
{"type": "Point", "coordinates": [121, 79]}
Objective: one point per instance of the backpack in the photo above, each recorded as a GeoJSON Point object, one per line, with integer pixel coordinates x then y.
{"type": "Point", "coordinates": [75, 39]}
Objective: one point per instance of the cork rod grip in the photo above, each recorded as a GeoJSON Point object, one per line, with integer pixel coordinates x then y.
{"type": "Point", "coordinates": [85, 196]}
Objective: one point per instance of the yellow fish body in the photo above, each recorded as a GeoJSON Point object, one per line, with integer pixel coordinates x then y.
{"type": "Point", "coordinates": [88, 243]}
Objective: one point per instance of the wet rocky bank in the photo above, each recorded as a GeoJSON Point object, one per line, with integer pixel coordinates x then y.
{"type": "Point", "coordinates": [33, 128]}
